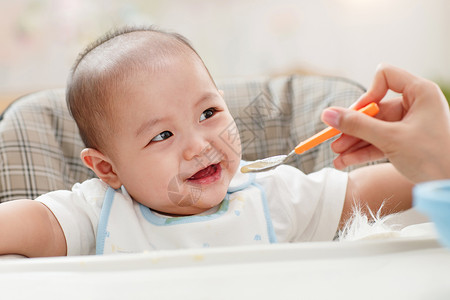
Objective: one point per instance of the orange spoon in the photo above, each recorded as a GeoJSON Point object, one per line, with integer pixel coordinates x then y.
{"type": "Point", "coordinates": [274, 161]}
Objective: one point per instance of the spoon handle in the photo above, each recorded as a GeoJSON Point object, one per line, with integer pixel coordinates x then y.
{"type": "Point", "coordinates": [370, 109]}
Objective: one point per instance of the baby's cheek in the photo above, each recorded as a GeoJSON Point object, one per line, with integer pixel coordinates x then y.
{"type": "Point", "coordinates": [232, 138]}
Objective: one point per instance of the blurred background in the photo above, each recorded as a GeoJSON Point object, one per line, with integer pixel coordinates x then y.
{"type": "Point", "coordinates": [40, 39]}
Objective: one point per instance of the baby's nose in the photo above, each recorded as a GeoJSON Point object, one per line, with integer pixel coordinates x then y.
{"type": "Point", "coordinates": [195, 147]}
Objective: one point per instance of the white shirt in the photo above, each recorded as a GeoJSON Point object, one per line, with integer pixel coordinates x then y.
{"type": "Point", "coordinates": [282, 205]}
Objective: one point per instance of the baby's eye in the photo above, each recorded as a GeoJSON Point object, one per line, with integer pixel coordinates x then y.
{"type": "Point", "coordinates": [207, 114]}
{"type": "Point", "coordinates": [162, 136]}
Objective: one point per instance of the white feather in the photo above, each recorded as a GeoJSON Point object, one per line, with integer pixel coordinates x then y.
{"type": "Point", "coordinates": [362, 227]}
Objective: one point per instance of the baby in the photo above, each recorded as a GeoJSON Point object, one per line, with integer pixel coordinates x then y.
{"type": "Point", "coordinates": [166, 151]}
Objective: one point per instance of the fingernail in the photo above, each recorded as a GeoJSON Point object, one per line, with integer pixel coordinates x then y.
{"type": "Point", "coordinates": [331, 117]}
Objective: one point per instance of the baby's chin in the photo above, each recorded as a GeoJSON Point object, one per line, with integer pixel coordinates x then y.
{"type": "Point", "coordinates": [188, 211]}
{"type": "Point", "coordinates": [204, 202]}
{"type": "Point", "coordinates": [195, 199]}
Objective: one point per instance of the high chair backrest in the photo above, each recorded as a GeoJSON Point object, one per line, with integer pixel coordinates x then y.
{"type": "Point", "coordinates": [40, 144]}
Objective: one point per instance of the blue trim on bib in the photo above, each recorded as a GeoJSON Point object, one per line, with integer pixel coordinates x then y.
{"type": "Point", "coordinates": [151, 217]}
{"type": "Point", "coordinates": [102, 233]}
{"type": "Point", "coordinates": [245, 184]}
{"type": "Point", "coordinates": [270, 230]}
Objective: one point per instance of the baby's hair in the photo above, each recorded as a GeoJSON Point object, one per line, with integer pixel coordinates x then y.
{"type": "Point", "coordinates": [101, 68]}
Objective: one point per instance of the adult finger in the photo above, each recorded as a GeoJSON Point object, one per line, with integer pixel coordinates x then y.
{"type": "Point", "coordinates": [386, 78]}
{"type": "Point", "coordinates": [358, 125]}
{"type": "Point", "coordinates": [344, 142]}
{"type": "Point", "coordinates": [359, 156]}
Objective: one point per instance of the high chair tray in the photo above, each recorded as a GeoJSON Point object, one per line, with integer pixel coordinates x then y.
{"type": "Point", "coordinates": [406, 268]}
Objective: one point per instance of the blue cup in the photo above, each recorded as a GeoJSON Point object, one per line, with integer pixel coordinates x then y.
{"type": "Point", "coordinates": [433, 199]}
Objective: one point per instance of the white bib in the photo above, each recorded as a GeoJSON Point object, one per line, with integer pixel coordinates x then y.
{"type": "Point", "coordinates": [241, 219]}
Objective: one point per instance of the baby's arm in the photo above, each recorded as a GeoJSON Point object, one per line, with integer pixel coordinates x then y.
{"type": "Point", "coordinates": [370, 186]}
{"type": "Point", "coordinates": [29, 228]}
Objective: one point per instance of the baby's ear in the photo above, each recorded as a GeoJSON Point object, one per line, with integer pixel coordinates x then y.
{"type": "Point", "coordinates": [101, 165]}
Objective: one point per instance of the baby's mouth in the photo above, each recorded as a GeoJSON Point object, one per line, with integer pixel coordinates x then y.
{"type": "Point", "coordinates": [207, 175]}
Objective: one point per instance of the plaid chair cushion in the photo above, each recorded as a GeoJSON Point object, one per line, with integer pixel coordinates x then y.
{"type": "Point", "coordinates": [40, 144]}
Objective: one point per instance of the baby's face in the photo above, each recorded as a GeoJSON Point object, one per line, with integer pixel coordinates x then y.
{"type": "Point", "coordinates": [176, 146]}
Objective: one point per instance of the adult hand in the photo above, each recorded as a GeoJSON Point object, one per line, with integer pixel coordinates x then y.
{"type": "Point", "coordinates": [412, 131]}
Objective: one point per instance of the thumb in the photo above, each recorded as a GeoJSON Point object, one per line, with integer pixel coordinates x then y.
{"type": "Point", "coordinates": [357, 124]}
